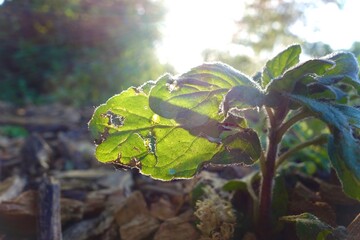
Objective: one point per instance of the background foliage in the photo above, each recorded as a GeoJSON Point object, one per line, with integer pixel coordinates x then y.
{"type": "Point", "coordinates": [76, 50]}
{"type": "Point", "coordinates": [266, 27]}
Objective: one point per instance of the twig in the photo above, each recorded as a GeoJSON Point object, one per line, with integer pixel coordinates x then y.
{"type": "Point", "coordinates": [302, 114]}
{"type": "Point", "coordinates": [316, 141]}
{"type": "Point", "coordinates": [49, 210]}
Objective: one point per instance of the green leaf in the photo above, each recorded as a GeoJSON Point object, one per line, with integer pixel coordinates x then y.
{"type": "Point", "coordinates": [287, 81]}
{"type": "Point", "coordinates": [159, 147]}
{"type": "Point", "coordinates": [322, 91]}
{"type": "Point", "coordinates": [242, 97]}
{"type": "Point", "coordinates": [309, 227]}
{"type": "Point", "coordinates": [279, 204]}
{"type": "Point", "coordinates": [244, 183]}
{"type": "Point", "coordinates": [275, 67]}
{"type": "Point", "coordinates": [194, 107]}
{"type": "Point", "coordinates": [193, 101]}
{"type": "Point", "coordinates": [344, 149]}
{"type": "Point", "coordinates": [241, 146]}
{"type": "Point", "coordinates": [346, 67]}
{"type": "Point", "coordinates": [352, 114]}
{"type": "Point", "coordinates": [335, 83]}
{"type": "Point", "coordinates": [215, 74]}
{"type": "Point", "coordinates": [246, 212]}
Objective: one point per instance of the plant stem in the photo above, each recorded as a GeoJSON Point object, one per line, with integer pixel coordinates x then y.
{"type": "Point", "coordinates": [268, 165]}
{"type": "Point", "coordinates": [315, 141]}
{"type": "Point", "coordinates": [266, 184]}
{"type": "Point", "coordinates": [271, 116]}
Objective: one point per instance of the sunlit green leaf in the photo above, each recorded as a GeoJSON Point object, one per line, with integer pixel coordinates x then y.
{"type": "Point", "coordinates": [195, 107]}
{"type": "Point", "coordinates": [157, 146]}
{"type": "Point", "coordinates": [173, 142]}
{"type": "Point", "coordinates": [275, 67]}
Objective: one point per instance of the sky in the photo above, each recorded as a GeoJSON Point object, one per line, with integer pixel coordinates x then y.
{"type": "Point", "coordinates": [191, 26]}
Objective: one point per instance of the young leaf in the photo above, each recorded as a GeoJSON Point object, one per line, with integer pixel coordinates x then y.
{"type": "Point", "coordinates": [309, 227]}
{"type": "Point", "coordinates": [287, 81]}
{"type": "Point", "coordinates": [331, 84]}
{"type": "Point", "coordinates": [346, 67]}
{"type": "Point", "coordinates": [344, 149]}
{"type": "Point", "coordinates": [275, 67]}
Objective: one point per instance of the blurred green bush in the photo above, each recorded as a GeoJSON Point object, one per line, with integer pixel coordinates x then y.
{"type": "Point", "coordinates": [76, 51]}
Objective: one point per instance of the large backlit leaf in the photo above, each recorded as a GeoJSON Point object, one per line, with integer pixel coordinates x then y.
{"type": "Point", "coordinates": [157, 146]}
{"type": "Point", "coordinates": [275, 67]}
{"type": "Point", "coordinates": [165, 145]}
{"type": "Point", "coordinates": [344, 149]}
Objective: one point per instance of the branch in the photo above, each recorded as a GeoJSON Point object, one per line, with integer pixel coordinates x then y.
{"type": "Point", "coordinates": [302, 114]}
{"type": "Point", "coordinates": [315, 141]}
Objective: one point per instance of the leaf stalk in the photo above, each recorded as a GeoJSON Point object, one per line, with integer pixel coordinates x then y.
{"type": "Point", "coordinates": [315, 141]}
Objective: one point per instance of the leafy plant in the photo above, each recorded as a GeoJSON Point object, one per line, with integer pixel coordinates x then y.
{"type": "Point", "coordinates": [171, 128]}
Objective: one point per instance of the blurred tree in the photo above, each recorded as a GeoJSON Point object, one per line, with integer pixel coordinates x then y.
{"type": "Point", "coordinates": [267, 24]}
{"type": "Point", "coordinates": [244, 63]}
{"type": "Point", "coordinates": [76, 50]}
{"type": "Point", "coordinates": [265, 27]}
{"type": "Point", "coordinates": [355, 48]}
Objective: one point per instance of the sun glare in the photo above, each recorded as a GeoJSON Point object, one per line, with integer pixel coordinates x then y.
{"type": "Point", "coordinates": [191, 26]}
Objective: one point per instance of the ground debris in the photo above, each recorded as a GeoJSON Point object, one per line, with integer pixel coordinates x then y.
{"type": "Point", "coordinates": [97, 201]}
{"type": "Point", "coordinates": [178, 228]}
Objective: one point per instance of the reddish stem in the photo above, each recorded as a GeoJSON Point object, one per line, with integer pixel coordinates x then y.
{"type": "Point", "coordinates": [276, 118]}
{"type": "Point", "coordinates": [266, 186]}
